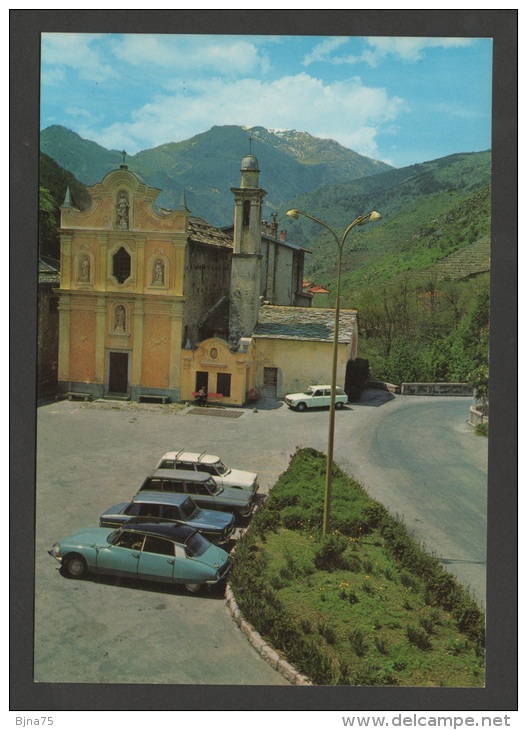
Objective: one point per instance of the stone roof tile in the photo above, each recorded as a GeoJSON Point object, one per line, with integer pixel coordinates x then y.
{"type": "Point", "coordinates": [202, 232]}
{"type": "Point", "coordinates": [304, 323]}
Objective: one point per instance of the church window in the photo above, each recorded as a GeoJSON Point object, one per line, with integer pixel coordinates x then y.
{"type": "Point", "coordinates": [122, 264]}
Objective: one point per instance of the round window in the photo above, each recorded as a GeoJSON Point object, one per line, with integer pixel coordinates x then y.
{"type": "Point", "coordinates": [213, 353]}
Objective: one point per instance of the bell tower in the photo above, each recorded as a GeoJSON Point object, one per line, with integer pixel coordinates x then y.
{"type": "Point", "coordinates": [246, 259]}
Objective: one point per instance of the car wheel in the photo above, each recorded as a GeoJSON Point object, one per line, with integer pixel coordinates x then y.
{"type": "Point", "coordinates": [193, 587]}
{"type": "Point", "coordinates": [339, 404]}
{"type": "Point", "coordinates": [74, 566]}
{"type": "Point", "coordinates": [301, 407]}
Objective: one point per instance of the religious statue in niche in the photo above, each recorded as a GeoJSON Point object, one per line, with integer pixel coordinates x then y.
{"type": "Point", "coordinates": [158, 276]}
{"type": "Point", "coordinates": [122, 210]}
{"type": "Point", "coordinates": [120, 319]}
{"type": "Point", "coordinates": [84, 269]}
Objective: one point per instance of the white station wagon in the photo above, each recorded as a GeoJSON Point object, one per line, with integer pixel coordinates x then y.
{"type": "Point", "coordinates": [210, 464]}
{"type": "Point", "coordinates": [316, 396]}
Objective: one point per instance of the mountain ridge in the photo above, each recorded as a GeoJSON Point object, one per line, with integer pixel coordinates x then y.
{"type": "Point", "coordinates": [207, 165]}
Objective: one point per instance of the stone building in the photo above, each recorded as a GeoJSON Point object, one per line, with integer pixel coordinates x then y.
{"type": "Point", "coordinates": [157, 303]}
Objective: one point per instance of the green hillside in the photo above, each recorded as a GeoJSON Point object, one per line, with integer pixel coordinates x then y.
{"type": "Point", "coordinates": [419, 208]}
{"type": "Point", "coordinates": [419, 277]}
{"type": "Point", "coordinates": [54, 181]}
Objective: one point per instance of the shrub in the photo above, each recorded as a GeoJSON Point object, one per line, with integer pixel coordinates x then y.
{"type": "Point", "coordinates": [328, 555]}
{"type": "Point", "coordinates": [482, 429]}
{"type": "Point", "coordinates": [293, 518]}
{"type": "Point", "coordinates": [358, 642]}
{"type": "Point", "coordinates": [418, 637]}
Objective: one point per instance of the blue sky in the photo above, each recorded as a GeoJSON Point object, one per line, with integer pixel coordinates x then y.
{"type": "Point", "coordinates": [401, 100]}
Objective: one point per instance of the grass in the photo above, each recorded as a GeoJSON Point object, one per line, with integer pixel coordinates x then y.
{"type": "Point", "coordinates": [347, 609]}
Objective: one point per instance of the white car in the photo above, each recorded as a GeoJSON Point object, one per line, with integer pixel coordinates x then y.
{"type": "Point", "coordinates": [209, 464]}
{"type": "Point", "coordinates": [316, 396]}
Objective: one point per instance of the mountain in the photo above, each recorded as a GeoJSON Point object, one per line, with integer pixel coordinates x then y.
{"type": "Point", "coordinates": [208, 165]}
{"type": "Point", "coordinates": [54, 181]}
{"type": "Point", "coordinates": [430, 210]}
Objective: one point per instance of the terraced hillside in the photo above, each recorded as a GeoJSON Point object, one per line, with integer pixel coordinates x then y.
{"type": "Point", "coordinates": [466, 263]}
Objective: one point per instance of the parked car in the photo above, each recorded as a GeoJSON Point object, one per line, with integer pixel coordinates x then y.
{"type": "Point", "coordinates": [204, 463]}
{"type": "Point", "coordinates": [203, 490]}
{"type": "Point", "coordinates": [315, 396]}
{"type": "Point", "coordinates": [145, 549]}
{"type": "Point", "coordinates": [218, 527]}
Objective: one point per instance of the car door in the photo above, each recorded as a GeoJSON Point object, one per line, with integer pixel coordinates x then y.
{"type": "Point", "coordinates": [157, 560]}
{"type": "Point", "coordinates": [122, 557]}
{"type": "Point", "coordinates": [327, 397]}
{"type": "Point", "coordinates": [317, 398]}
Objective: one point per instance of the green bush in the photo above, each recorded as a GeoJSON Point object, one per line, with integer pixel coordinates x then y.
{"type": "Point", "coordinates": [328, 555]}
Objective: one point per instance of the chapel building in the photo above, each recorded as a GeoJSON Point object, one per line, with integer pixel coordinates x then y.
{"type": "Point", "coordinates": [155, 304]}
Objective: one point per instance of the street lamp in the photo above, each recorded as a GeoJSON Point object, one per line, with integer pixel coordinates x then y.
{"type": "Point", "coordinates": [360, 221]}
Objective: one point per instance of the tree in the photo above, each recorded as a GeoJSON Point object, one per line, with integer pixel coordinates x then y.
{"type": "Point", "coordinates": [49, 242]}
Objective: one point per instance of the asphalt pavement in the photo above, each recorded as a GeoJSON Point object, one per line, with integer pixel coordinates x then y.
{"type": "Point", "coordinates": [93, 455]}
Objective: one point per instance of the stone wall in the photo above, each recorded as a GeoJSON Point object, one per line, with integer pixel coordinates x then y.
{"type": "Point", "coordinates": [437, 389]}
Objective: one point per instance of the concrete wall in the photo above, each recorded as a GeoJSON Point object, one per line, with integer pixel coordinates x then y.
{"type": "Point", "coordinates": [299, 363]}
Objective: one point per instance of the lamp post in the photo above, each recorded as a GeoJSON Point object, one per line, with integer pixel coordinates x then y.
{"type": "Point", "coordinates": [360, 221]}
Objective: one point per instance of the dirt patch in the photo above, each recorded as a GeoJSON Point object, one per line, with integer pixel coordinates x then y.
{"type": "Point", "coordinates": [222, 412]}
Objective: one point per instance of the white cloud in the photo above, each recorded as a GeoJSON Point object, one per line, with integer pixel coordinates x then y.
{"type": "Point", "coordinates": [346, 111]}
{"type": "Point", "coordinates": [406, 49]}
{"type": "Point", "coordinates": [322, 50]}
{"type": "Point", "coordinates": [61, 51]}
{"type": "Point", "coordinates": [411, 49]}
{"type": "Point", "coordinates": [179, 53]}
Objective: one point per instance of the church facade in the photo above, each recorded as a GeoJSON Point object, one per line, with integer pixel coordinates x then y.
{"type": "Point", "coordinates": [157, 304]}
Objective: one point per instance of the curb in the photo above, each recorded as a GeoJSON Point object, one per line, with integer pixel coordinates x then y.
{"type": "Point", "coordinates": [260, 646]}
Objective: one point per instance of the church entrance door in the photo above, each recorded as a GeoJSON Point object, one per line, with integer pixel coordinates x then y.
{"type": "Point", "coordinates": [118, 375]}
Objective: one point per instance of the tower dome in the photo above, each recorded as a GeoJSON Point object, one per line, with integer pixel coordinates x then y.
{"type": "Point", "coordinates": [249, 170]}
{"type": "Point", "coordinates": [250, 162]}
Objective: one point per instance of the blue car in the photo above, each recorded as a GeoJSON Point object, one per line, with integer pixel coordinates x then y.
{"type": "Point", "coordinates": [145, 549]}
{"type": "Point", "coordinates": [217, 526]}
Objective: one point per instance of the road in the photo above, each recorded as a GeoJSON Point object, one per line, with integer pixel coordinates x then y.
{"type": "Point", "coordinates": [423, 461]}
{"type": "Point", "coordinates": [416, 455]}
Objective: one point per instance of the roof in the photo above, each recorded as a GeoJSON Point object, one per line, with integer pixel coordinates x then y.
{"type": "Point", "coordinates": [285, 242]}
{"type": "Point", "coordinates": [304, 323]}
{"type": "Point", "coordinates": [177, 475]}
{"type": "Point", "coordinates": [194, 456]}
{"type": "Point", "coordinates": [151, 526]}
{"type": "Point", "coordinates": [151, 497]}
{"type": "Point", "coordinates": [267, 237]}
{"type": "Point", "coordinates": [202, 232]}
{"type": "Point", "coordinates": [48, 271]}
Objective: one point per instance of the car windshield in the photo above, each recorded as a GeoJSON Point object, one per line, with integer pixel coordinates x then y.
{"type": "Point", "coordinates": [196, 545]}
{"type": "Point", "coordinates": [112, 537]}
{"type": "Point", "coordinates": [309, 391]}
{"type": "Point", "coordinates": [221, 468]}
{"type": "Point", "coordinates": [189, 509]}
{"type": "Point", "coordinates": [213, 487]}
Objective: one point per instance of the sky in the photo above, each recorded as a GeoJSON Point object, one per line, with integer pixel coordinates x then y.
{"type": "Point", "coordinates": [401, 100]}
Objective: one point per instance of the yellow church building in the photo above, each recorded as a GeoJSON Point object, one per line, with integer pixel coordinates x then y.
{"type": "Point", "coordinates": [155, 304]}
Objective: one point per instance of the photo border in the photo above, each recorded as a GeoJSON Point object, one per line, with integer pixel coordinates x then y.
{"type": "Point", "coordinates": [500, 692]}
